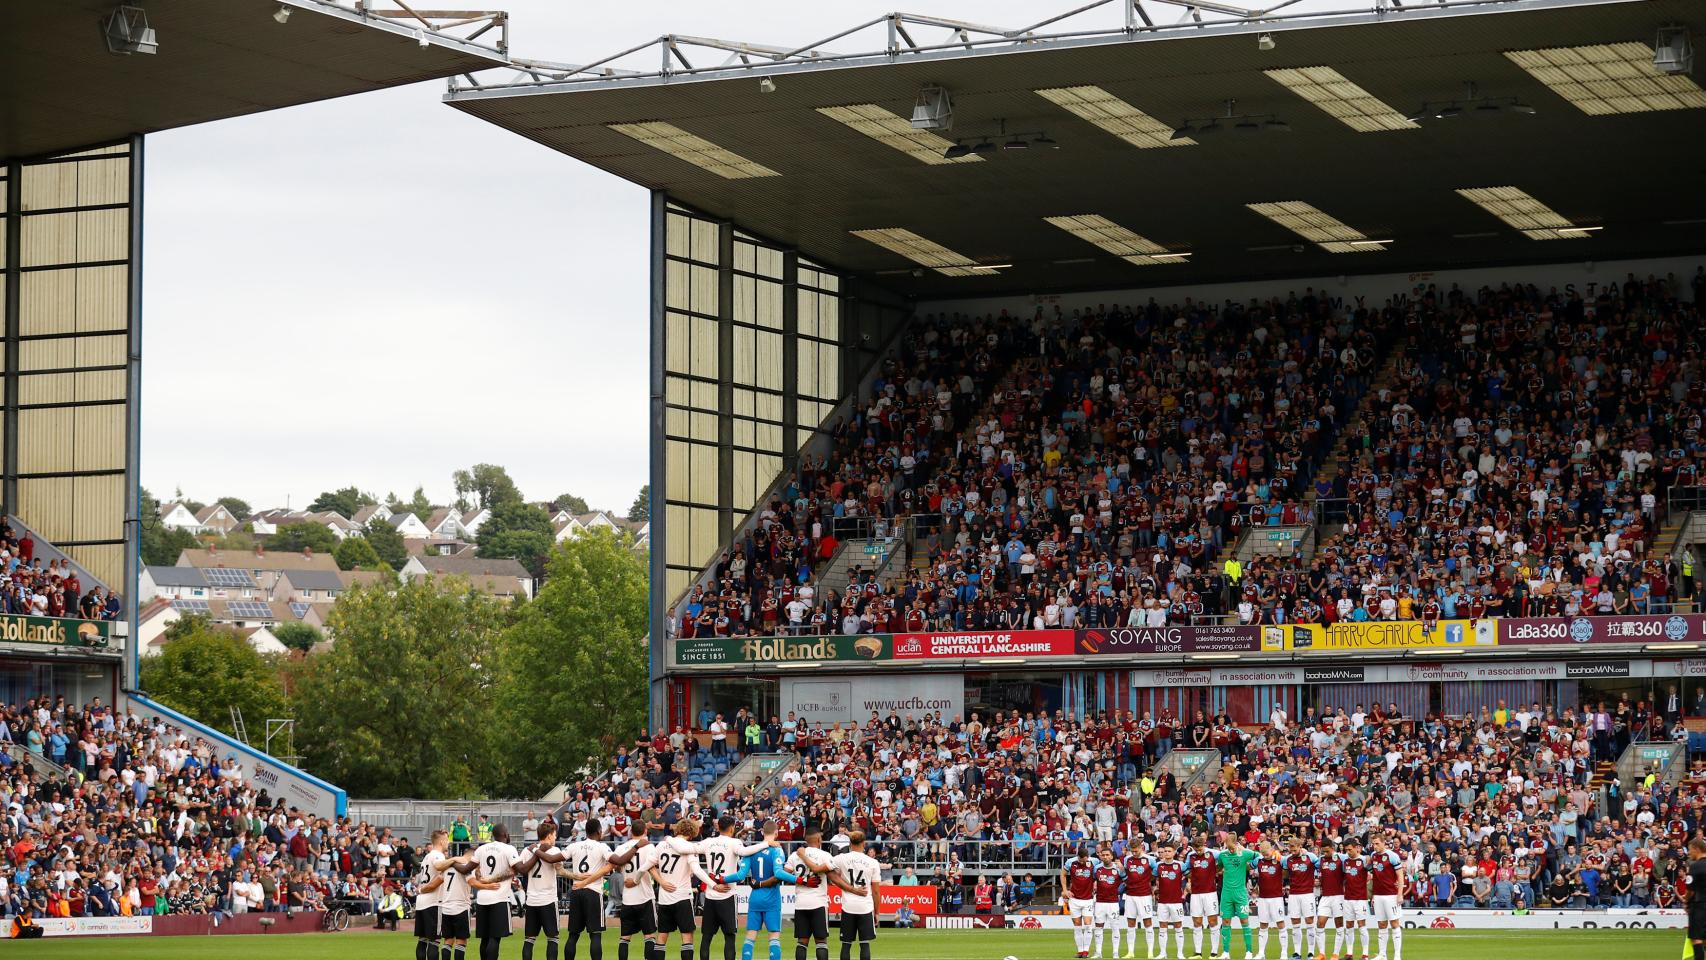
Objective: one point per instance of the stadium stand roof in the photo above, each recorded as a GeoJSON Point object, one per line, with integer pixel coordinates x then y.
{"type": "Point", "coordinates": [813, 180]}
{"type": "Point", "coordinates": [216, 59]}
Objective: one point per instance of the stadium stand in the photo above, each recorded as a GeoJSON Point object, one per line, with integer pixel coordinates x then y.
{"type": "Point", "coordinates": [1516, 467]}
{"type": "Point", "coordinates": [1089, 470]}
{"type": "Point", "coordinates": [1105, 457]}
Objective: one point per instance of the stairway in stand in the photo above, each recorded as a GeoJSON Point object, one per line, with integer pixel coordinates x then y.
{"type": "Point", "coordinates": [1356, 427]}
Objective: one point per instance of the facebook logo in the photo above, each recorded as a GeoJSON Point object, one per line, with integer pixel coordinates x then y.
{"type": "Point", "coordinates": [1454, 633]}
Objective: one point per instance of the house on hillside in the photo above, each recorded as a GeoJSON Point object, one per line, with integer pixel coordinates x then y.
{"type": "Point", "coordinates": [263, 567]}
{"type": "Point", "coordinates": [446, 524]}
{"type": "Point", "coordinates": [409, 525]}
{"type": "Point", "coordinates": [503, 578]}
{"type": "Point", "coordinates": [214, 519]}
{"type": "Point", "coordinates": [471, 522]}
{"type": "Point", "coordinates": [373, 511]}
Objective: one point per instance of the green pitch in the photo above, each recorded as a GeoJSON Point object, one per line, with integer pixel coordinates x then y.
{"type": "Point", "coordinates": [890, 945]}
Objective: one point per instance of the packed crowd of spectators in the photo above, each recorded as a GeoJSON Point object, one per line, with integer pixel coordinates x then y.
{"type": "Point", "coordinates": [1088, 468]}
{"type": "Point", "coordinates": [1067, 468]}
{"type": "Point", "coordinates": [147, 820]}
{"type": "Point", "coordinates": [1492, 810]}
{"type": "Point", "coordinates": [1517, 465]}
{"type": "Point", "coordinates": [51, 588]}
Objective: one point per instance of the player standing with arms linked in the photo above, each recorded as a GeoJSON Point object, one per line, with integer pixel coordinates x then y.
{"type": "Point", "coordinates": [429, 890]}
{"type": "Point", "coordinates": [1235, 862]}
{"type": "Point", "coordinates": [1109, 879]}
{"type": "Point", "coordinates": [538, 869]}
{"type": "Point", "coordinates": [1332, 906]}
{"type": "Point", "coordinates": [812, 864]}
{"type": "Point", "coordinates": [721, 854]}
{"type": "Point", "coordinates": [764, 872]}
{"type": "Point", "coordinates": [587, 862]}
{"type": "Point", "coordinates": [1270, 898]}
{"type": "Point", "coordinates": [1170, 878]}
{"type": "Point", "coordinates": [1205, 905]}
{"type": "Point", "coordinates": [1302, 938]}
{"type": "Point", "coordinates": [1356, 896]}
{"type": "Point", "coordinates": [678, 867]}
{"type": "Point", "coordinates": [1385, 873]}
{"type": "Point", "coordinates": [494, 869]}
{"type": "Point", "coordinates": [1078, 879]}
{"type": "Point", "coordinates": [639, 911]}
{"type": "Point", "coordinates": [857, 875]}
{"type": "Point", "coordinates": [1139, 903]}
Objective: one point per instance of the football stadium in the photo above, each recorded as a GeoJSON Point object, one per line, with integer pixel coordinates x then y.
{"type": "Point", "coordinates": [1166, 478]}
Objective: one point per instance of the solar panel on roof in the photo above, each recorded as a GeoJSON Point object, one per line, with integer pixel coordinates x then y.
{"type": "Point", "coordinates": [299, 610]}
{"type": "Point", "coordinates": [250, 610]}
{"type": "Point", "coordinates": [191, 606]}
{"type": "Point", "coordinates": [226, 577]}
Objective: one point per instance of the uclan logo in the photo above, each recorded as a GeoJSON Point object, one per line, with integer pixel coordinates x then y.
{"type": "Point", "coordinates": [1443, 923]}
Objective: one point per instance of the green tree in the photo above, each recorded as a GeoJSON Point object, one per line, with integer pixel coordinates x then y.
{"type": "Point", "coordinates": [298, 636]}
{"type": "Point", "coordinates": [641, 511]}
{"type": "Point", "coordinates": [571, 503]}
{"type": "Point", "coordinates": [401, 706]}
{"type": "Point", "coordinates": [488, 483]}
{"type": "Point", "coordinates": [519, 530]}
{"type": "Point", "coordinates": [355, 553]}
{"type": "Point", "coordinates": [420, 506]}
{"type": "Point", "coordinates": [237, 541]}
{"type": "Point", "coordinates": [239, 507]}
{"type": "Point", "coordinates": [307, 535]}
{"type": "Point", "coordinates": [574, 666]}
{"type": "Point", "coordinates": [387, 543]}
{"type": "Point", "coordinates": [205, 670]}
{"type": "Point", "coordinates": [161, 545]}
{"type": "Point", "coordinates": [347, 501]}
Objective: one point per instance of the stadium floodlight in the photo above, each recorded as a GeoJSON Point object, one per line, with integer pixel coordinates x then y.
{"type": "Point", "coordinates": [766, 85]}
{"type": "Point", "coordinates": [1342, 99]}
{"type": "Point", "coordinates": [1318, 227]}
{"type": "Point", "coordinates": [694, 149]}
{"type": "Point", "coordinates": [282, 14]}
{"type": "Point", "coordinates": [924, 252]}
{"type": "Point", "coordinates": [934, 109]}
{"type": "Point", "coordinates": [1113, 115]}
{"type": "Point", "coordinates": [1606, 79]}
{"type": "Point", "coordinates": [1109, 236]}
{"type": "Point", "coordinates": [1517, 208]}
{"type": "Point", "coordinates": [1673, 52]}
{"type": "Point", "coordinates": [1264, 41]}
{"type": "Point", "coordinates": [956, 151]}
{"type": "Point", "coordinates": [127, 32]}
{"type": "Point", "coordinates": [892, 130]}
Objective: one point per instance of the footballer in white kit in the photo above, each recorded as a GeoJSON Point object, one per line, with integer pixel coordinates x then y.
{"type": "Point", "coordinates": [721, 856]}
{"type": "Point", "coordinates": [494, 867]}
{"type": "Point", "coordinates": [429, 890]}
{"type": "Point", "coordinates": [677, 868]}
{"type": "Point", "coordinates": [811, 863]}
{"type": "Point", "coordinates": [587, 863]}
{"type": "Point", "coordinates": [859, 876]}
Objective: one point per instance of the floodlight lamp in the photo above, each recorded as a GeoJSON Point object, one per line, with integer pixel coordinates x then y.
{"type": "Point", "coordinates": [1264, 41]}
{"type": "Point", "coordinates": [933, 110]}
{"type": "Point", "coordinates": [127, 31]}
{"type": "Point", "coordinates": [766, 85]}
{"type": "Point", "coordinates": [421, 38]}
{"type": "Point", "coordinates": [956, 151]}
{"type": "Point", "coordinates": [282, 14]}
{"type": "Point", "coordinates": [1182, 132]}
{"type": "Point", "coordinates": [1017, 143]}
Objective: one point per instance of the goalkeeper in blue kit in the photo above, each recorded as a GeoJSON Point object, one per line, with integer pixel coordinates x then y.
{"type": "Point", "coordinates": [765, 872]}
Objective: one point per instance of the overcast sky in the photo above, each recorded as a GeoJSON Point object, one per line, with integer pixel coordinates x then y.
{"type": "Point", "coordinates": [379, 290]}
